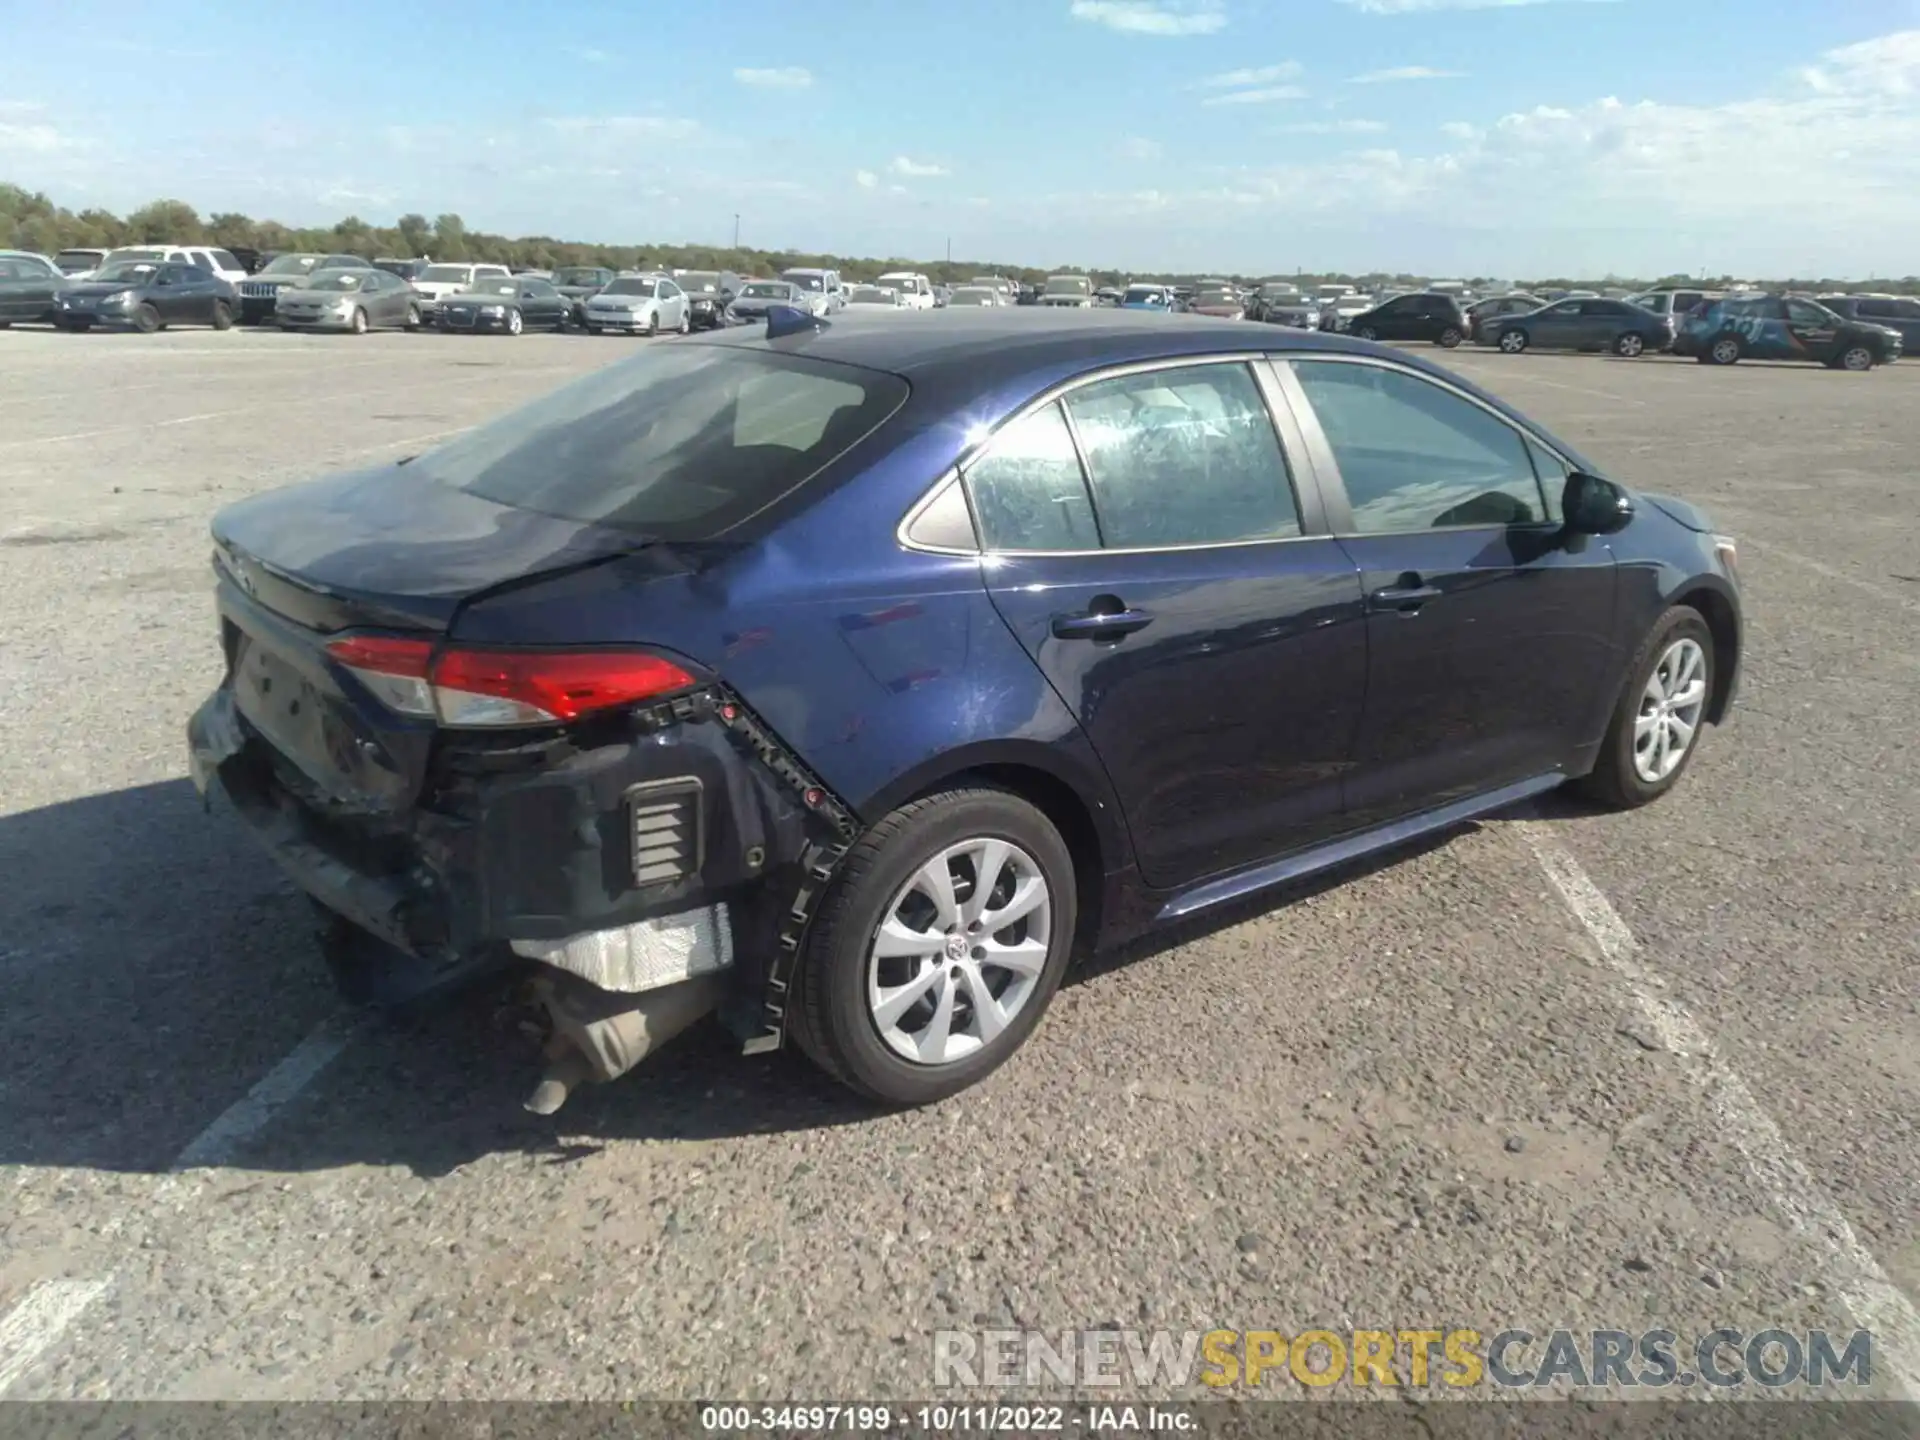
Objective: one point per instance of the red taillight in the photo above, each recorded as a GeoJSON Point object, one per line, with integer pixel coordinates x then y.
{"type": "Point", "coordinates": [467, 688]}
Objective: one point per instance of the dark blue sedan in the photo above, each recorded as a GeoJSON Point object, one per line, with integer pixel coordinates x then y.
{"type": "Point", "coordinates": [849, 679]}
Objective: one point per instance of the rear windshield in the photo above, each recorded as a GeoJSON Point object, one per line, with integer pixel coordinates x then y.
{"type": "Point", "coordinates": [680, 443]}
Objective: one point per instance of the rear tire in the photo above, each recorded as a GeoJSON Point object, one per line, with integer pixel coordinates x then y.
{"type": "Point", "coordinates": [1449, 339]}
{"type": "Point", "coordinates": [842, 985]}
{"type": "Point", "coordinates": [1725, 350]}
{"type": "Point", "coordinates": [146, 319]}
{"type": "Point", "coordinates": [1366, 332]}
{"type": "Point", "coordinates": [1617, 779]}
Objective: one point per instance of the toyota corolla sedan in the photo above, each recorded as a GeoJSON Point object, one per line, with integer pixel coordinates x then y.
{"type": "Point", "coordinates": [849, 679]}
{"type": "Point", "coordinates": [639, 305]}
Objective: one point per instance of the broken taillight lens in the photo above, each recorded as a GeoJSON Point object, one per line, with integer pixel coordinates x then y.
{"type": "Point", "coordinates": [465, 688]}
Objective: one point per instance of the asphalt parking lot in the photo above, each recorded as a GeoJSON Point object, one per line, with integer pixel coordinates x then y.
{"type": "Point", "coordinates": [1559, 1070]}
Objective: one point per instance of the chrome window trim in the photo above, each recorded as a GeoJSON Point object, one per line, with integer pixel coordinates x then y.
{"type": "Point", "coordinates": [1340, 512]}
{"type": "Point", "coordinates": [1253, 360]}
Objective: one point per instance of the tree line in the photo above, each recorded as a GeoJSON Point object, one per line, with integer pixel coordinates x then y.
{"type": "Point", "coordinates": [31, 221]}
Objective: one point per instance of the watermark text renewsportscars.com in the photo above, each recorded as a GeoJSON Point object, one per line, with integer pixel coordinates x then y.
{"type": "Point", "coordinates": [1454, 1358]}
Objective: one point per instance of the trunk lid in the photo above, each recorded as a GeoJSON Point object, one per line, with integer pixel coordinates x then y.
{"type": "Point", "coordinates": [381, 550]}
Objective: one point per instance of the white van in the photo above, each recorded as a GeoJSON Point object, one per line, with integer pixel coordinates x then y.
{"type": "Point", "coordinates": [821, 290]}
{"type": "Point", "coordinates": [916, 291]}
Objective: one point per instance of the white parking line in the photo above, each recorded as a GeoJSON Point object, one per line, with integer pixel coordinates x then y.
{"type": "Point", "coordinates": [1877, 1304]}
{"type": "Point", "coordinates": [33, 1326]}
{"type": "Point", "coordinates": [30, 1329]}
{"type": "Point", "coordinates": [1519, 374]}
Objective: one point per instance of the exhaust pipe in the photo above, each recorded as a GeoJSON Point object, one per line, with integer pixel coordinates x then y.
{"type": "Point", "coordinates": [599, 1035]}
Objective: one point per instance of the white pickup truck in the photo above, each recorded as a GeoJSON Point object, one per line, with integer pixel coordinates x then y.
{"type": "Point", "coordinates": [915, 290]}
{"type": "Point", "coordinates": [436, 282]}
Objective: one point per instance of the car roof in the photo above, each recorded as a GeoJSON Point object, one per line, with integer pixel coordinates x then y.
{"type": "Point", "coordinates": [1000, 344]}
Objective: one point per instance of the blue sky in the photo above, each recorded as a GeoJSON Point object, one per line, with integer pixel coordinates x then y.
{"type": "Point", "coordinates": [1502, 137]}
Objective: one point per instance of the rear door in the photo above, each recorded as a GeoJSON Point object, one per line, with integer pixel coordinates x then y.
{"type": "Point", "coordinates": [1489, 631]}
{"type": "Point", "coordinates": [1169, 572]}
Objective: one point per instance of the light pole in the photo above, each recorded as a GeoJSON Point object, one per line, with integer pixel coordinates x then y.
{"type": "Point", "coordinates": [736, 232]}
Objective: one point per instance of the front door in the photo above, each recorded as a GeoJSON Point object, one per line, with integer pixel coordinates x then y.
{"type": "Point", "coordinates": [1815, 329]}
{"type": "Point", "coordinates": [1562, 326]}
{"type": "Point", "coordinates": [1152, 558]}
{"type": "Point", "coordinates": [1488, 628]}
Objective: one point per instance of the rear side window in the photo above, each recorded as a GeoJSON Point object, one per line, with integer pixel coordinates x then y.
{"type": "Point", "coordinates": [680, 444]}
{"type": "Point", "coordinates": [1415, 456]}
{"type": "Point", "coordinates": [1028, 490]}
{"type": "Point", "coordinates": [1183, 457]}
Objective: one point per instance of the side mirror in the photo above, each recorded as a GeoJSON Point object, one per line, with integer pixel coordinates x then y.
{"type": "Point", "coordinates": [1593, 506]}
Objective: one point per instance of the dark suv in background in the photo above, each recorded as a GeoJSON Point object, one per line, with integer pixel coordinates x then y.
{"type": "Point", "coordinates": [1894, 312]}
{"type": "Point", "coordinates": [1422, 315]}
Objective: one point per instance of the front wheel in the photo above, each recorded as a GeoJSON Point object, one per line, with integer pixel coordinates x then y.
{"type": "Point", "coordinates": [222, 315]}
{"type": "Point", "coordinates": [515, 324]}
{"type": "Point", "coordinates": [1656, 724]}
{"type": "Point", "coordinates": [653, 324]}
{"type": "Point", "coordinates": [146, 319]}
{"type": "Point", "coordinates": [1367, 332]}
{"type": "Point", "coordinates": [1630, 346]}
{"type": "Point", "coordinates": [413, 317]}
{"type": "Point", "coordinates": [939, 946]}
{"type": "Point", "coordinates": [359, 322]}
{"type": "Point", "coordinates": [1513, 341]}
{"type": "Point", "coordinates": [686, 323]}
{"type": "Point", "coordinates": [1857, 357]}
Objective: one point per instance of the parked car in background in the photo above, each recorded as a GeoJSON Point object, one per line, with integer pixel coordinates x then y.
{"type": "Point", "coordinates": [28, 283]}
{"type": "Point", "coordinates": [78, 261]}
{"type": "Point", "coordinates": [1896, 313]}
{"type": "Point", "coordinates": [579, 283]}
{"type": "Point", "coordinates": [1482, 313]}
{"type": "Point", "coordinates": [209, 258]}
{"type": "Point", "coordinates": [708, 294]}
{"type": "Point", "coordinates": [1422, 315]}
{"type": "Point", "coordinates": [1107, 295]}
{"type": "Point", "coordinates": [1147, 297]}
{"type": "Point", "coordinates": [505, 306]}
{"type": "Point", "coordinates": [1674, 303]}
{"type": "Point", "coordinates": [640, 304]}
{"type": "Point", "coordinates": [872, 297]}
{"type": "Point", "coordinates": [408, 270]}
{"type": "Point", "coordinates": [1041, 550]}
{"type": "Point", "coordinates": [1005, 288]}
{"type": "Point", "coordinates": [977, 295]}
{"type": "Point", "coordinates": [1270, 292]}
{"type": "Point", "coordinates": [438, 281]}
{"type": "Point", "coordinates": [940, 296]}
{"type": "Point", "coordinates": [146, 295]}
{"type": "Point", "coordinates": [259, 294]}
{"type": "Point", "coordinates": [756, 297]}
{"type": "Point", "coordinates": [1218, 300]}
{"type": "Point", "coordinates": [1754, 325]}
{"type": "Point", "coordinates": [821, 290]}
{"type": "Point", "coordinates": [352, 300]}
{"type": "Point", "coordinates": [1067, 291]}
{"type": "Point", "coordinates": [915, 290]}
{"type": "Point", "coordinates": [1614, 325]}
{"type": "Point", "coordinates": [1339, 312]}
{"type": "Point", "coordinates": [1301, 312]}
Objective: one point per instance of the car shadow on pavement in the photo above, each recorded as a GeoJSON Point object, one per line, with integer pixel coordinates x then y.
{"type": "Point", "coordinates": [157, 967]}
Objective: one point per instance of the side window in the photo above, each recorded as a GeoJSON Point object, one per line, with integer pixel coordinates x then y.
{"type": "Point", "coordinates": [1183, 457]}
{"type": "Point", "coordinates": [1874, 309]}
{"type": "Point", "coordinates": [1414, 456]}
{"type": "Point", "coordinates": [1552, 473]}
{"type": "Point", "coordinates": [1028, 490]}
{"type": "Point", "coordinates": [1906, 309]}
{"type": "Point", "coordinates": [1801, 313]}
{"type": "Point", "coordinates": [1565, 310]}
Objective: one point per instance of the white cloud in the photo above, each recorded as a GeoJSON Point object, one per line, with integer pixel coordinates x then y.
{"type": "Point", "coordinates": [1264, 96]}
{"type": "Point", "coordinates": [1134, 147]}
{"type": "Point", "coordinates": [1334, 127]}
{"type": "Point", "coordinates": [32, 139]}
{"type": "Point", "coordinates": [1421, 7]}
{"type": "Point", "coordinates": [1145, 17]}
{"type": "Point", "coordinates": [588, 55]}
{"type": "Point", "coordinates": [1460, 130]}
{"type": "Point", "coordinates": [865, 179]}
{"type": "Point", "coordinates": [781, 77]}
{"type": "Point", "coordinates": [1406, 72]}
{"type": "Point", "coordinates": [1258, 75]}
{"type": "Point", "coordinates": [915, 169]}
{"type": "Point", "coordinates": [20, 107]}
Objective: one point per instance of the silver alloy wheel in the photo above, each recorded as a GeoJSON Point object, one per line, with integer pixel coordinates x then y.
{"type": "Point", "coordinates": [1726, 351]}
{"type": "Point", "coordinates": [960, 951]}
{"type": "Point", "coordinates": [1367, 332]}
{"type": "Point", "coordinates": [1513, 341]}
{"type": "Point", "coordinates": [1670, 709]}
{"type": "Point", "coordinates": [514, 323]}
{"type": "Point", "coordinates": [359, 322]}
{"type": "Point", "coordinates": [1631, 345]}
{"type": "Point", "coordinates": [1857, 358]}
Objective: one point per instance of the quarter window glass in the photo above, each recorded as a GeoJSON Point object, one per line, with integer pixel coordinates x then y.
{"type": "Point", "coordinates": [1183, 457]}
{"type": "Point", "coordinates": [1028, 491]}
{"type": "Point", "coordinates": [1416, 457]}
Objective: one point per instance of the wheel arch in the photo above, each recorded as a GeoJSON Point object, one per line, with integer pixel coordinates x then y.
{"type": "Point", "coordinates": [1723, 623]}
{"type": "Point", "coordinates": [1073, 795]}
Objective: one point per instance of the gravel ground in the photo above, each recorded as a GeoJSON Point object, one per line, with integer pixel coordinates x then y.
{"type": "Point", "coordinates": [1431, 1095]}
